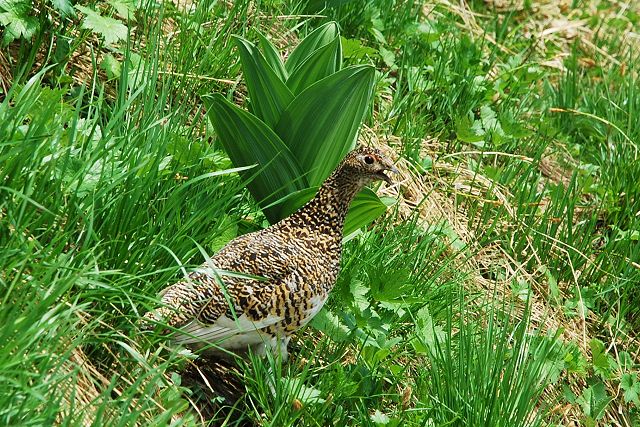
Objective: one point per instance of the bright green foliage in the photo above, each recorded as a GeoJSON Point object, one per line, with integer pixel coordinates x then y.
{"type": "Point", "coordinates": [594, 400]}
{"type": "Point", "coordinates": [471, 366]}
{"type": "Point", "coordinates": [305, 116]}
{"type": "Point", "coordinates": [631, 387]}
{"type": "Point", "coordinates": [16, 19]}
{"type": "Point", "coordinates": [111, 29]}
{"type": "Point", "coordinates": [124, 8]}
{"type": "Point", "coordinates": [107, 188]}
{"type": "Point", "coordinates": [280, 173]}
{"type": "Point", "coordinates": [100, 203]}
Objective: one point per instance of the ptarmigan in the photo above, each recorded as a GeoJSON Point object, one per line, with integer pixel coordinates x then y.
{"type": "Point", "coordinates": [263, 286]}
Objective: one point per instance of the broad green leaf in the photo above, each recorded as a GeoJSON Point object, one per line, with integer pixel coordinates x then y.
{"type": "Point", "coordinates": [364, 209]}
{"type": "Point", "coordinates": [269, 95]}
{"type": "Point", "coordinates": [273, 57]}
{"type": "Point", "coordinates": [316, 39]}
{"type": "Point", "coordinates": [250, 141]}
{"type": "Point", "coordinates": [111, 29]}
{"type": "Point", "coordinates": [320, 125]}
{"type": "Point", "coordinates": [320, 64]}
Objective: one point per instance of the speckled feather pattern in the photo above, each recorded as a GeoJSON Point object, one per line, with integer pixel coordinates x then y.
{"type": "Point", "coordinates": [297, 261]}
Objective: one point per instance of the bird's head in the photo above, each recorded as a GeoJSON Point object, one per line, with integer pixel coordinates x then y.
{"type": "Point", "coordinates": [368, 164]}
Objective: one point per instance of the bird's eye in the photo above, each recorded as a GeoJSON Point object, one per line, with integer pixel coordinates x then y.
{"type": "Point", "coordinates": [368, 160]}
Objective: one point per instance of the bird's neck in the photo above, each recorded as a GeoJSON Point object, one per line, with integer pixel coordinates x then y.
{"type": "Point", "coordinates": [325, 213]}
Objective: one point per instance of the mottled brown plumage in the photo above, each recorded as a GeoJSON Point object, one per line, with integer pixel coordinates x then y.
{"type": "Point", "coordinates": [296, 262]}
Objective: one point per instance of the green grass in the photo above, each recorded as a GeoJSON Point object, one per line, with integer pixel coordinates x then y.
{"type": "Point", "coordinates": [517, 297]}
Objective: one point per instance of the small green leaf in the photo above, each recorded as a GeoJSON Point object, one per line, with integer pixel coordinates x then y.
{"type": "Point", "coordinates": [353, 48]}
{"type": "Point", "coordinates": [329, 323]}
{"type": "Point", "coordinates": [554, 290]}
{"type": "Point", "coordinates": [124, 8]}
{"type": "Point", "coordinates": [594, 400]}
{"type": "Point", "coordinates": [377, 28]}
{"type": "Point", "coordinates": [111, 66]}
{"type": "Point", "coordinates": [631, 387]}
{"type": "Point", "coordinates": [427, 335]}
{"type": "Point", "coordinates": [427, 30]}
{"type": "Point", "coordinates": [626, 360]}
{"type": "Point", "coordinates": [453, 238]}
{"type": "Point", "coordinates": [601, 360]}
{"type": "Point", "coordinates": [466, 132]}
{"type": "Point", "coordinates": [380, 418]}
{"type": "Point", "coordinates": [306, 394]}
{"type": "Point", "coordinates": [64, 7]}
{"type": "Point", "coordinates": [136, 73]}
{"type": "Point", "coordinates": [111, 29]}
{"type": "Point", "coordinates": [391, 286]}
{"type": "Point", "coordinates": [388, 57]}
{"type": "Point", "coordinates": [427, 163]}
{"type": "Point", "coordinates": [490, 121]}
{"type": "Point", "coordinates": [359, 293]}
{"type": "Point", "coordinates": [574, 360]}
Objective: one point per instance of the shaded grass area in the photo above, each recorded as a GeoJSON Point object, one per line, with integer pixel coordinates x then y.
{"type": "Point", "coordinates": [514, 304]}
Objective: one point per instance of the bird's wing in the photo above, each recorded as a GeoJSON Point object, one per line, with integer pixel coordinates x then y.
{"type": "Point", "coordinates": [240, 309]}
{"type": "Point", "coordinates": [223, 328]}
{"type": "Point", "coordinates": [207, 311]}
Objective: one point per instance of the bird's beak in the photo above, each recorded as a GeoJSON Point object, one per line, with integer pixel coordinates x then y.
{"type": "Point", "coordinates": [388, 167]}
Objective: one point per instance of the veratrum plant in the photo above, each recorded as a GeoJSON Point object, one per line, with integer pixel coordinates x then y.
{"type": "Point", "coordinates": [303, 117]}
